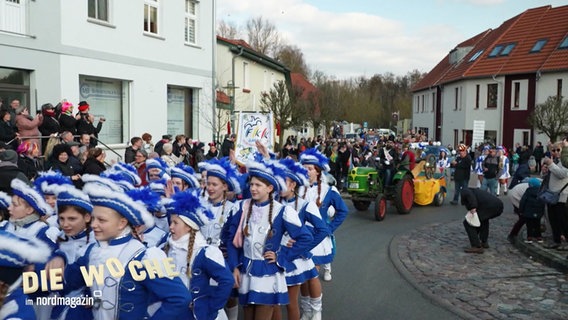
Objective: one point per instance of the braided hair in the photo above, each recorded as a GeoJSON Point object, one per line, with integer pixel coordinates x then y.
{"type": "Point", "coordinates": [192, 233]}
{"type": "Point", "coordinates": [271, 207]}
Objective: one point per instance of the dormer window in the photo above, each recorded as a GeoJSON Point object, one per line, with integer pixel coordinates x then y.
{"type": "Point", "coordinates": [508, 49]}
{"type": "Point", "coordinates": [564, 43]}
{"type": "Point", "coordinates": [496, 51]}
{"type": "Point", "coordinates": [538, 45]}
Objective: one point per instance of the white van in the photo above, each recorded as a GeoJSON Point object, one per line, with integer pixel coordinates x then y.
{"type": "Point", "coordinates": [386, 132]}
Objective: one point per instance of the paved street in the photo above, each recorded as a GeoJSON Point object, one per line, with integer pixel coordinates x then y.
{"type": "Point", "coordinates": [413, 267]}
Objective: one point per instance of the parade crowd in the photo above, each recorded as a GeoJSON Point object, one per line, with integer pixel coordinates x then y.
{"type": "Point", "coordinates": [178, 233]}
{"type": "Point", "coordinates": [214, 237]}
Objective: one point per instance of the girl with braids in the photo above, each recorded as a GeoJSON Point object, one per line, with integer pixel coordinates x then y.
{"type": "Point", "coordinates": [255, 254]}
{"type": "Point", "coordinates": [16, 253]}
{"type": "Point", "coordinates": [125, 295]}
{"type": "Point", "coordinates": [303, 269]}
{"type": "Point", "coordinates": [197, 262]}
{"type": "Point", "coordinates": [331, 206]}
{"type": "Point", "coordinates": [74, 216]}
{"type": "Point", "coordinates": [221, 178]}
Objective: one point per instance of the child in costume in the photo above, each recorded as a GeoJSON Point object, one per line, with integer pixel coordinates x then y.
{"type": "Point", "coordinates": [124, 295]}
{"type": "Point", "coordinates": [15, 254]}
{"type": "Point", "coordinates": [74, 215]}
{"type": "Point", "coordinates": [304, 269]}
{"type": "Point", "coordinates": [331, 206]}
{"type": "Point", "coordinates": [153, 236]}
{"type": "Point", "coordinates": [46, 183]}
{"type": "Point", "coordinates": [199, 263]}
{"type": "Point", "coordinates": [184, 177]}
{"type": "Point", "coordinates": [221, 177]}
{"type": "Point", "coordinates": [255, 249]}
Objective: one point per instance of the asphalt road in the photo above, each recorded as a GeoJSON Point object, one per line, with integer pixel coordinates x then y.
{"type": "Point", "coordinates": [365, 283]}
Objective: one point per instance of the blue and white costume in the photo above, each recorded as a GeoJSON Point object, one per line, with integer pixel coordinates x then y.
{"type": "Point", "coordinates": [127, 295]}
{"type": "Point", "coordinates": [46, 183]}
{"type": "Point", "coordinates": [304, 267]}
{"type": "Point", "coordinates": [154, 237]}
{"type": "Point", "coordinates": [263, 282]}
{"type": "Point", "coordinates": [208, 277]}
{"type": "Point", "coordinates": [16, 253]}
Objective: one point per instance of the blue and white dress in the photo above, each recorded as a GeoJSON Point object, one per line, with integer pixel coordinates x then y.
{"type": "Point", "coordinates": [504, 168]}
{"type": "Point", "coordinates": [74, 247]}
{"type": "Point", "coordinates": [124, 297]}
{"type": "Point", "coordinates": [154, 237]}
{"type": "Point", "coordinates": [479, 164]}
{"type": "Point", "coordinates": [262, 282]}
{"type": "Point", "coordinates": [212, 231]}
{"type": "Point", "coordinates": [304, 268]}
{"type": "Point", "coordinates": [14, 306]}
{"type": "Point", "coordinates": [333, 211]}
{"type": "Point", "coordinates": [211, 280]}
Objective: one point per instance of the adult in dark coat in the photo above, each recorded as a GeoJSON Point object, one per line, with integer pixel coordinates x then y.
{"type": "Point", "coordinates": [487, 207]}
{"type": "Point", "coordinates": [158, 148]}
{"type": "Point", "coordinates": [8, 132]}
{"type": "Point", "coordinates": [227, 145]}
{"type": "Point", "coordinates": [50, 124]}
{"type": "Point", "coordinates": [67, 121]}
{"type": "Point", "coordinates": [59, 161]}
{"type": "Point", "coordinates": [95, 162]}
{"type": "Point", "coordinates": [523, 171]}
{"type": "Point", "coordinates": [9, 170]}
{"type": "Point", "coordinates": [462, 166]}
{"type": "Point", "coordinates": [538, 154]}
{"type": "Point", "coordinates": [85, 123]}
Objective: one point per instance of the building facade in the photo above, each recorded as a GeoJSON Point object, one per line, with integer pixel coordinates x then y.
{"type": "Point", "coordinates": [496, 79]}
{"type": "Point", "coordinates": [144, 65]}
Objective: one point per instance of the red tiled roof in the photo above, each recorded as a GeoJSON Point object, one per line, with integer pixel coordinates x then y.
{"type": "Point", "coordinates": [236, 42]}
{"type": "Point", "coordinates": [524, 30]}
{"type": "Point", "coordinates": [298, 80]}
{"type": "Point", "coordinates": [222, 97]}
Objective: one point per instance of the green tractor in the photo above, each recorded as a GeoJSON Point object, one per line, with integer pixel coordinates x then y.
{"type": "Point", "coordinates": [365, 185]}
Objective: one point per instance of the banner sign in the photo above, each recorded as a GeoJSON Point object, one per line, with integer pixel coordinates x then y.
{"type": "Point", "coordinates": [253, 127]}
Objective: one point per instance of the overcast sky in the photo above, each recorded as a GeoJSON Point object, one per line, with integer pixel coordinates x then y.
{"type": "Point", "coordinates": [345, 38]}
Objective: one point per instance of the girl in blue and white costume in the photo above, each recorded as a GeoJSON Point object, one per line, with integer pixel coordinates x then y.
{"type": "Point", "coordinates": [124, 295]}
{"type": "Point", "coordinates": [153, 236]}
{"type": "Point", "coordinates": [74, 214]}
{"type": "Point", "coordinates": [46, 182]}
{"type": "Point", "coordinates": [479, 165]}
{"type": "Point", "coordinates": [26, 210]}
{"type": "Point", "coordinates": [201, 265]}
{"type": "Point", "coordinates": [221, 178]}
{"type": "Point", "coordinates": [504, 173]}
{"type": "Point", "coordinates": [331, 206]}
{"type": "Point", "coordinates": [184, 177]}
{"type": "Point", "coordinates": [15, 254]}
{"type": "Point", "coordinates": [304, 269]}
{"type": "Point", "coordinates": [262, 224]}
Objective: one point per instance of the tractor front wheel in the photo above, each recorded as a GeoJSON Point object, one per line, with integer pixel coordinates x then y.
{"type": "Point", "coordinates": [380, 207]}
{"type": "Point", "coordinates": [404, 194]}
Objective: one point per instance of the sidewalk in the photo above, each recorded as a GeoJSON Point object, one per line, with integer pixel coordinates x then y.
{"type": "Point", "coordinates": [501, 283]}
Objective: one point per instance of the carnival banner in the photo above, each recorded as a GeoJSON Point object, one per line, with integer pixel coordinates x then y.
{"type": "Point", "coordinates": [253, 127]}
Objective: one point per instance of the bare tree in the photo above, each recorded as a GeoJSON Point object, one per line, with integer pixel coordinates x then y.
{"type": "Point", "coordinates": [263, 36]}
{"type": "Point", "coordinates": [293, 58]}
{"type": "Point", "coordinates": [551, 117]}
{"type": "Point", "coordinates": [285, 105]}
{"type": "Point", "coordinates": [228, 30]}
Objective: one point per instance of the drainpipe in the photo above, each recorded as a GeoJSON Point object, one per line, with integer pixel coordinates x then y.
{"type": "Point", "coordinates": [241, 51]}
{"type": "Point", "coordinates": [214, 72]}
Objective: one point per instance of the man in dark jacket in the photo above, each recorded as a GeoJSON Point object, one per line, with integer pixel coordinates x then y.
{"type": "Point", "coordinates": [159, 147]}
{"type": "Point", "coordinates": [85, 123]}
{"type": "Point", "coordinates": [487, 206]}
{"type": "Point", "coordinates": [462, 165]}
{"type": "Point", "coordinates": [9, 170]}
{"type": "Point", "coordinates": [228, 145]}
{"type": "Point", "coordinates": [130, 152]}
{"type": "Point", "coordinates": [490, 169]}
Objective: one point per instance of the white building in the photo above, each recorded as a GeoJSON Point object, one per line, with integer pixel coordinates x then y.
{"type": "Point", "coordinates": [145, 65]}
{"type": "Point", "coordinates": [497, 78]}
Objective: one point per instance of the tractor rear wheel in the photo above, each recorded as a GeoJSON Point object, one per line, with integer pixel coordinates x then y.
{"type": "Point", "coordinates": [404, 194]}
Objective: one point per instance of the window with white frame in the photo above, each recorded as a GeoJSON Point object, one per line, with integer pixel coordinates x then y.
{"type": "Point", "coordinates": [191, 7]}
{"type": "Point", "coordinates": [13, 16]}
{"type": "Point", "coordinates": [519, 94]}
{"type": "Point", "coordinates": [98, 9]}
{"type": "Point", "coordinates": [151, 16]}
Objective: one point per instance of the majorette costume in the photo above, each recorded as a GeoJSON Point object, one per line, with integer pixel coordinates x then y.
{"type": "Point", "coordinates": [186, 174]}
{"type": "Point", "coordinates": [153, 236]}
{"type": "Point", "coordinates": [45, 183]}
{"type": "Point", "coordinates": [263, 282]}
{"type": "Point", "coordinates": [206, 274]}
{"type": "Point", "coordinates": [123, 297]}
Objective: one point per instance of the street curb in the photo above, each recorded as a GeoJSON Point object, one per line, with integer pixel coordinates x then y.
{"type": "Point", "coordinates": [399, 266]}
{"type": "Point", "coordinates": [535, 252]}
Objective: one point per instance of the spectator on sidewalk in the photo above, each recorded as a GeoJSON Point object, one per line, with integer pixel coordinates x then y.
{"type": "Point", "coordinates": [557, 213]}
{"type": "Point", "coordinates": [228, 145]}
{"type": "Point", "coordinates": [85, 123]}
{"type": "Point", "coordinates": [28, 127]}
{"type": "Point", "coordinates": [538, 154]}
{"type": "Point", "coordinates": [490, 170]}
{"type": "Point", "coordinates": [487, 206]}
{"type": "Point", "coordinates": [462, 165]}
{"type": "Point", "coordinates": [136, 144]}
{"type": "Point", "coordinates": [523, 171]}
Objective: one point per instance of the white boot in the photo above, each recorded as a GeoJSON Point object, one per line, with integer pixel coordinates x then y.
{"type": "Point", "coordinates": [327, 272]}
{"type": "Point", "coordinates": [316, 305]}
{"type": "Point", "coordinates": [505, 188]}
{"type": "Point", "coordinates": [233, 312]}
{"type": "Point", "coordinates": [305, 308]}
